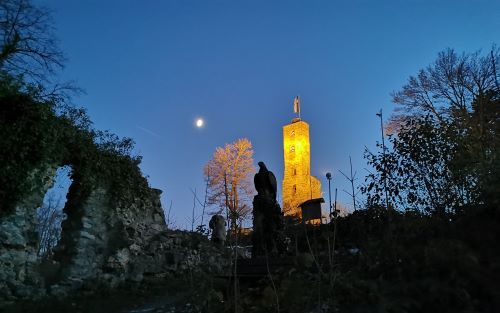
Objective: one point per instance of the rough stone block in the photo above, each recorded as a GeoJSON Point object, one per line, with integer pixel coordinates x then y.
{"type": "Point", "coordinates": [12, 235]}
{"type": "Point", "coordinates": [87, 235]}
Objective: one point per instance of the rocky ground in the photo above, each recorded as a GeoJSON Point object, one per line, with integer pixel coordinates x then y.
{"type": "Point", "coordinates": [167, 296]}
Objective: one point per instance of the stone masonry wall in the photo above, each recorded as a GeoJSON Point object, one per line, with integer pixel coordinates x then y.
{"type": "Point", "coordinates": [298, 184]}
{"type": "Point", "coordinates": [19, 242]}
{"type": "Point", "coordinates": [102, 244]}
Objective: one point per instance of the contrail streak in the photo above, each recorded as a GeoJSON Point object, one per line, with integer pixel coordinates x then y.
{"type": "Point", "coordinates": [152, 133]}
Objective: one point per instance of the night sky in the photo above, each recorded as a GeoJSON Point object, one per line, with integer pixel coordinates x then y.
{"type": "Point", "coordinates": [150, 68]}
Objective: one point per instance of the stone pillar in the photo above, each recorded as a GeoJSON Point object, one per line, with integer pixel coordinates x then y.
{"type": "Point", "coordinates": [267, 236]}
{"type": "Point", "coordinates": [19, 276]}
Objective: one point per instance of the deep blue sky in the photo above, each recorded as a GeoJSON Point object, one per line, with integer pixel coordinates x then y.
{"type": "Point", "coordinates": [151, 67]}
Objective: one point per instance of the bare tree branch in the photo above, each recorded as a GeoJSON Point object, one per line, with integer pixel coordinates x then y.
{"type": "Point", "coordinates": [29, 47]}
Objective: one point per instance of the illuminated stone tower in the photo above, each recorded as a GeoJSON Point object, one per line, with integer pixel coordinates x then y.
{"type": "Point", "coordinates": [298, 184]}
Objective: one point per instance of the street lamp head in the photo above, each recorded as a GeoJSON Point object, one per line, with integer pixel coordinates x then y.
{"type": "Point", "coordinates": [328, 175]}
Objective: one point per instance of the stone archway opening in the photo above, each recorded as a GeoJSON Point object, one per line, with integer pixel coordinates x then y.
{"type": "Point", "coordinates": [50, 214]}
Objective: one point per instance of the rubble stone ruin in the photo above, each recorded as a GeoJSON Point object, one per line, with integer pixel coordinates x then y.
{"type": "Point", "coordinates": [103, 242]}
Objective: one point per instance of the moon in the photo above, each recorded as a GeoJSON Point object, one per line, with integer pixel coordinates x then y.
{"type": "Point", "coordinates": [199, 123]}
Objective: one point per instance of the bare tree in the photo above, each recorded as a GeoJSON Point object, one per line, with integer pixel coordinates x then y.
{"type": "Point", "coordinates": [29, 51]}
{"type": "Point", "coordinates": [444, 154]}
{"type": "Point", "coordinates": [168, 213]}
{"type": "Point", "coordinates": [352, 178]}
{"type": "Point", "coordinates": [447, 87]}
{"type": "Point", "coordinates": [28, 45]}
{"type": "Point", "coordinates": [229, 179]}
{"type": "Point", "coordinates": [50, 217]}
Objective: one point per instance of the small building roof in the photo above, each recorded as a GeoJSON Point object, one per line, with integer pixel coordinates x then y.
{"type": "Point", "coordinates": [312, 201]}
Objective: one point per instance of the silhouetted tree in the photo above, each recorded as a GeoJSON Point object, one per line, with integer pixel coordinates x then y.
{"type": "Point", "coordinates": [29, 48]}
{"type": "Point", "coordinates": [419, 169]}
{"type": "Point", "coordinates": [444, 152]}
{"type": "Point", "coordinates": [447, 88]}
{"type": "Point", "coordinates": [28, 45]}
{"type": "Point", "coordinates": [479, 153]}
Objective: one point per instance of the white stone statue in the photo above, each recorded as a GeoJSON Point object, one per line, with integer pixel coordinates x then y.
{"type": "Point", "coordinates": [218, 226]}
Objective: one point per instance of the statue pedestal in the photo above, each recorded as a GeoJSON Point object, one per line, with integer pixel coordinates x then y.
{"type": "Point", "coordinates": [267, 237]}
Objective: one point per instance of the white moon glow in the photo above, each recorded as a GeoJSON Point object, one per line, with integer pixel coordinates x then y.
{"type": "Point", "coordinates": [199, 123]}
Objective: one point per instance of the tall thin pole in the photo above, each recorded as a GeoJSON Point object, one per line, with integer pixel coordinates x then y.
{"type": "Point", "coordinates": [384, 159]}
{"type": "Point", "coordinates": [334, 226]}
{"type": "Point", "coordinates": [335, 206]}
{"type": "Point", "coordinates": [329, 177]}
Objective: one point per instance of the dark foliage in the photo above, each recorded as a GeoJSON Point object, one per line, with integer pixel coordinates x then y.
{"type": "Point", "coordinates": [434, 248]}
{"type": "Point", "coordinates": [424, 169]}
{"type": "Point", "coordinates": [426, 263]}
{"type": "Point", "coordinates": [444, 153]}
{"type": "Point", "coordinates": [36, 135]}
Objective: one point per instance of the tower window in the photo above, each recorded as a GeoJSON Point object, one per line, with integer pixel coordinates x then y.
{"type": "Point", "coordinates": [292, 133]}
{"type": "Point", "coordinates": [292, 148]}
{"type": "Point", "coordinates": [294, 171]}
{"type": "Point", "coordinates": [294, 189]}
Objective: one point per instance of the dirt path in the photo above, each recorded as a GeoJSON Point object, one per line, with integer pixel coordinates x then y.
{"type": "Point", "coordinates": [131, 299]}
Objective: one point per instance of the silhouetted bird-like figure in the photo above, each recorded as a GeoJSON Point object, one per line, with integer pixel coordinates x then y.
{"type": "Point", "coordinates": [265, 181]}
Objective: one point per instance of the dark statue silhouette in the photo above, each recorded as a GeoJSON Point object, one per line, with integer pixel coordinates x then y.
{"type": "Point", "coordinates": [267, 237]}
{"type": "Point", "coordinates": [265, 181]}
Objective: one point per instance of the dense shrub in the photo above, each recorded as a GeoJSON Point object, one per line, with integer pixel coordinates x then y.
{"type": "Point", "coordinates": [37, 134]}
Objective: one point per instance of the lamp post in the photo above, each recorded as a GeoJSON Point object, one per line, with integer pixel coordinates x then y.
{"type": "Point", "coordinates": [379, 114]}
{"type": "Point", "coordinates": [329, 177]}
